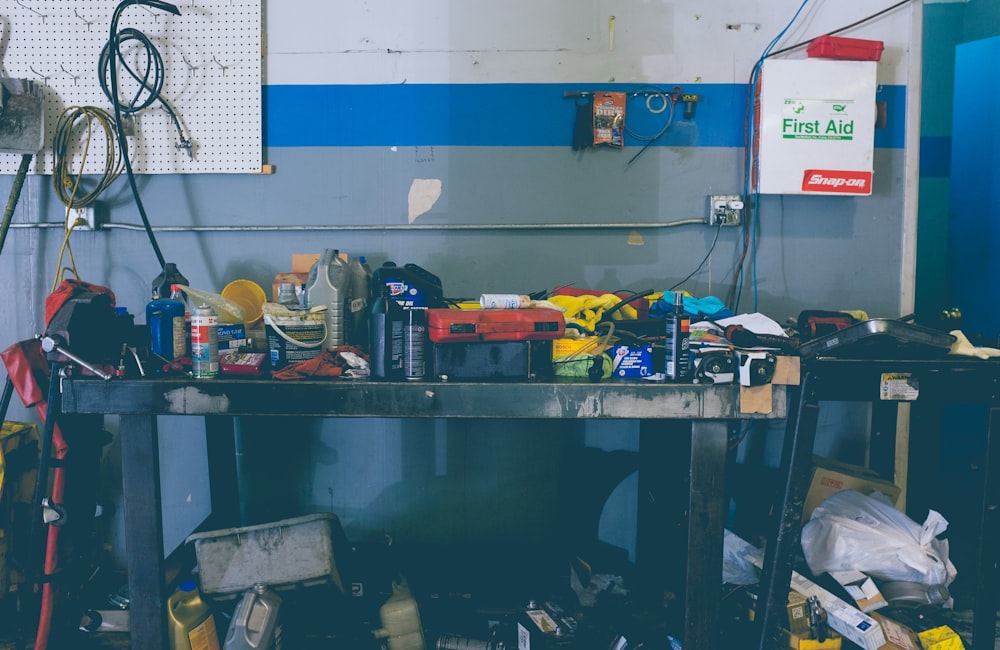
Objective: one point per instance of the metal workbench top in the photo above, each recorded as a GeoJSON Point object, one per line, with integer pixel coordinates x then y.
{"type": "Point", "coordinates": [360, 398]}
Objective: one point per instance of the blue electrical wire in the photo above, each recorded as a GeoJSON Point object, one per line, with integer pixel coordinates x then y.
{"type": "Point", "coordinates": [751, 177]}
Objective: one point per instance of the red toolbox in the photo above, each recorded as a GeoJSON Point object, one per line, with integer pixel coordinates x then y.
{"type": "Point", "coordinates": [469, 325]}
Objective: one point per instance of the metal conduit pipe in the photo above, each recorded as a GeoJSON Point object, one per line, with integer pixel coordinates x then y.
{"type": "Point", "coordinates": [380, 227]}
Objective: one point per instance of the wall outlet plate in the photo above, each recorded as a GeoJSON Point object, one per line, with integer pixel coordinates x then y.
{"type": "Point", "coordinates": [725, 210]}
{"type": "Point", "coordinates": [83, 218]}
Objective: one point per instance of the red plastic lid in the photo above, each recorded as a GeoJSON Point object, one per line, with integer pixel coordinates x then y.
{"type": "Point", "coordinates": [846, 49]}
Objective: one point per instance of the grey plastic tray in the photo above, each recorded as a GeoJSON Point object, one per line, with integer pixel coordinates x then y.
{"type": "Point", "coordinates": [879, 334]}
{"type": "Point", "coordinates": [296, 552]}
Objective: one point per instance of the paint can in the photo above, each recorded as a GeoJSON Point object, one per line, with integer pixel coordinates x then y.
{"type": "Point", "coordinates": [204, 342]}
{"type": "Point", "coordinates": [293, 335]}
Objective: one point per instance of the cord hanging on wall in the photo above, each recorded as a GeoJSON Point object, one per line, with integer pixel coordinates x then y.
{"type": "Point", "coordinates": [229, 141]}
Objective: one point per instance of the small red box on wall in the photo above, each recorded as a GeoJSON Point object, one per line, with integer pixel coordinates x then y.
{"type": "Point", "coordinates": [848, 49]}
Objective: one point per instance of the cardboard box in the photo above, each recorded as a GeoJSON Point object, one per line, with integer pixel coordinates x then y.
{"type": "Point", "coordinates": [920, 627]}
{"type": "Point", "coordinates": [853, 624]}
{"type": "Point", "coordinates": [897, 635]}
{"type": "Point", "coordinates": [861, 588]}
{"type": "Point", "coordinates": [632, 362]}
{"type": "Point", "coordinates": [798, 613]}
{"type": "Point", "coordinates": [830, 477]}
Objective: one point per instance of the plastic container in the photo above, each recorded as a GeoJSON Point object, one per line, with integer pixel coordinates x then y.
{"type": "Point", "coordinates": [190, 623]}
{"type": "Point", "coordinates": [256, 623]}
{"type": "Point", "coordinates": [400, 617]}
{"type": "Point", "coordinates": [328, 285]}
{"type": "Point", "coordinates": [387, 332]}
{"type": "Point", "coordinates": [168, 276]}
{"type": "Point", "coordinates": [165, 317]}
{"type": "Point", "coordinates": [249, 296]}
{"type": "Point", "coordinates": [296, 552]}
{"type": "Point", "coordinates": [409, 285]}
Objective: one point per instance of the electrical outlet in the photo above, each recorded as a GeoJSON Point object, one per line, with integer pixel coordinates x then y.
{"type": "Point", "coordinates": [83, 218]}
{"type": "Point", "coordinates": [725, 210]}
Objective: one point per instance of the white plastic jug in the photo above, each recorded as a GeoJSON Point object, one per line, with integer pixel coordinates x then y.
{"type": "Point", "coordinates": [328, 285]}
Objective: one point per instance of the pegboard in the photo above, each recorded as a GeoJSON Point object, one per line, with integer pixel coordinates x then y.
{"type": "Point", "coordinates": [212, 79]}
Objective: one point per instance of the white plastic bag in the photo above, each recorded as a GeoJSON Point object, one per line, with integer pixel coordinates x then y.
{"type": "Point", "coordinates": [851, 531]}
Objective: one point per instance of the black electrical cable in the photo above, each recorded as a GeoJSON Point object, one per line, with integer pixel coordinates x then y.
{"type": "Point", "coordinates": [115, 56]}
{"type": "Point", "coordinates": [703, 260]}
{"type": "Point", "coordinates": [842, 29]}
{"type": "Point", "coordinates": [749, 158]}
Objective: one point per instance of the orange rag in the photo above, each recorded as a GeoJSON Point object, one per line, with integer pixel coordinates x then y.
{"type": "Point", "coordinates": [327, 363]}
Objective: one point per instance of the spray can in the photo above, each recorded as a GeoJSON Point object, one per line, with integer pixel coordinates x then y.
{"type": "Point", "coordinates": [328, 285]}
{"type": "Point", "coordinates": [256, 623]}
{"type": "Point", "coordinates": [165, 317]}
{"type": "Point", "coordinates": [204, 342]}
{"type": "Point", "coordinates": [387, 337]}
{"type": "Point", "coordinates": [414, 341]}
{"type": "Point", "coordinates": [177, 294]}
{"type": "Point", "coordinates": [191, 625]}
{"type": "Point", "coordinates": [678, 330]}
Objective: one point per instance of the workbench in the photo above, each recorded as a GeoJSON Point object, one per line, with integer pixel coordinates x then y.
{"type": "Point", "coordinates": [703, 411]}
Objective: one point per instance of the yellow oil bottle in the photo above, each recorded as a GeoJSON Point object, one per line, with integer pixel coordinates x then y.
{"type": "Point", "coordinates": [191, 625]}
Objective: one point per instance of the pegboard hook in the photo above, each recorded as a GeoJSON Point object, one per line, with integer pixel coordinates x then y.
{"type": "Point", "coordinates": [76, 12]}
{"type": "Point", "coordinates": [190, 65]}
{"type": "Point", "coordinates": [155, 15]}
{"type": "Point", "coordinates": [219, 63]}
{"type": "Point", "coordinates": [34, 11]}
{"type": "Point", "coordinates": [45, 77]}
{"type": "Point", "coordinates": [74, 76]}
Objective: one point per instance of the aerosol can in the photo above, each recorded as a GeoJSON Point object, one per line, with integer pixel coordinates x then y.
{"type": "Point", "coordinates": [256, 624]}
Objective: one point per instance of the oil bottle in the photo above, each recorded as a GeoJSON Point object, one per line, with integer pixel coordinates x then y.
{"type": "Point", "coordinates": [165, 317]}
{"type": "Point", "coordinates": [256, 621]}
{"type": "Point", "coordinates": [328, 285]}
{"type": "Point", "coordinates": [191, 625]}
{"type": "Point", "coordinates": [387, 332]}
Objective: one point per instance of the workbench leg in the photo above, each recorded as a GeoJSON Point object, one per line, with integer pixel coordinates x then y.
{"type": "Point", "coordinates": [987, 553]}
{"type": "Point", "coordinates": [227, 498]}
{"type": "Point", "coordinates": [779, 555]}
{"type": "Point", "coordinates": [707, 509]}
{"type": "Point", "coordinates": [143, 531]}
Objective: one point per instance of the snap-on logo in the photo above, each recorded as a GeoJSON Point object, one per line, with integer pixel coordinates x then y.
{"type": "Point", "coordinates": [833, 180]}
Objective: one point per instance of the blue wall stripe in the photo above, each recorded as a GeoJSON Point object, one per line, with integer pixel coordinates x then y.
{"type": "Point", "coordinates": [935, 156]}
{"type": "Point", "coordinates": [504, 115]}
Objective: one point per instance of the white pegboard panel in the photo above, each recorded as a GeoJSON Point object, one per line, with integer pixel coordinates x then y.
{"type": "Point", "coordinates": [212, 78]}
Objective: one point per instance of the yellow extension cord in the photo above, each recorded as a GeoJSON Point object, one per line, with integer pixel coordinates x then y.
{"type": "Point", "coordinates": [67, 183]}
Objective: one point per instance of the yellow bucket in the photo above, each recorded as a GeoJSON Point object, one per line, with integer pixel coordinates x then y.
{"type": "Point", "coordinates": [248, 295]}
